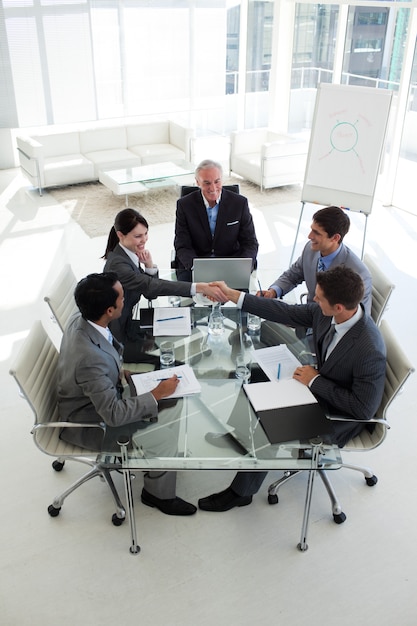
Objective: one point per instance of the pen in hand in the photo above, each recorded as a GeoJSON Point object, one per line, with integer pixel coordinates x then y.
{"type": "Point", "coordinates": [260, 288]}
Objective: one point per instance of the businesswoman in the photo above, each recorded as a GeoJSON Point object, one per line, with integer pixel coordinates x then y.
{"type": "Point", "coordinates": [127, 255]}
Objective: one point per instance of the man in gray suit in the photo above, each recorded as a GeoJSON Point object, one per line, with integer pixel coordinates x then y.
{"type": "Point", "coordinates": [324, 251]}
{"type": "Point", "coordinates": [350, 375]}
{"type": "Point", "coordinates": [90, 391]}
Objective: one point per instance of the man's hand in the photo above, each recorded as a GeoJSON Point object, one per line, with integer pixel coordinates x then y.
{"type": "Point", "coordinates": [305, 374]}
{"type": "Point", "coordinates": [269, 293]}
{"type": "Point", "coordinates": [230, 294]}
{"type": "Point", "coordinates": [165, 387]}
{"type": "Point", "coordinates": [212, 291]}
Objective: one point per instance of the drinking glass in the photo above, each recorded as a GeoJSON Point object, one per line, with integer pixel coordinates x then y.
{"type": "Point", "coordinates": [167, 354]}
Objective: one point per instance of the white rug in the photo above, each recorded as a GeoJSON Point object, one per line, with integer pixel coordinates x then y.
{"type": "Point", "coordinates": [94, 207]}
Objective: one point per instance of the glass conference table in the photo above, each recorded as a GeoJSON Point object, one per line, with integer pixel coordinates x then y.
{"type": "Point", "coordinates": [221, 407]}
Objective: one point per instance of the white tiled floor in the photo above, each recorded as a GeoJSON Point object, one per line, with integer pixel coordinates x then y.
{"type": "Point", "coordinates": [235, 568]}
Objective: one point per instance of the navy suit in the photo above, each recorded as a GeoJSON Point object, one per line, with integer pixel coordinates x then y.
{"type": "Point", "coordinates": [234, 235]}
{"type": "Point", "coordinates": [351, 380]}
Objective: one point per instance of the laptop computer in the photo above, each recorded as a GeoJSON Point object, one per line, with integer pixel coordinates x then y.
{"type": "Point", "coordinates": [234, 271]}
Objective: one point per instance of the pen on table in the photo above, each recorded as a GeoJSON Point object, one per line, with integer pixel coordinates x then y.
{"type": "Point", "coordinates": [158, 379]}
{"type": "Point", "coordinates": [260, 288]}
{"type": "Point", "coordinates": [167, 319]}
{"type": "Point", "coordinates": [279, 371]}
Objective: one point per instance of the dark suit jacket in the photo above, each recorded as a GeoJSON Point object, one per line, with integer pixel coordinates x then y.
{"type": "Point", "coordinates": [136, 282]}
{"type": "Point", "coordinates": [88, 386]}
{"type": "Point", "coordinates": [351, 381]}
{"type": "Point", "coordinates": [234, 235]}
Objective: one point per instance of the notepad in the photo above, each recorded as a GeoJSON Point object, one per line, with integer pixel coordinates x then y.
{"type": "Point", "coordinates": [171, 322]}
{"type": "Point", "coordinates": [188, 384]}
{"type": "Point", "coordinates": [276, 359]}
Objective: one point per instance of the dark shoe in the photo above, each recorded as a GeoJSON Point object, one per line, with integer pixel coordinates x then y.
{"type": "Point", "coordinates": [224, 440]}
{"type": "Point", "coordinates": [173, 506]}
{"type": "Point", "coordinates": [223, 501]}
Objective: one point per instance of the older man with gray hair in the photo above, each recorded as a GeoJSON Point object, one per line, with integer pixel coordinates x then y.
{"type": "Point", "coordinates": [212, 222]}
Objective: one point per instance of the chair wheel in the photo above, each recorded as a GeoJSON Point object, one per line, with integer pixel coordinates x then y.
{"type": "Point", "coordinates": [273, 498]}
{"type": "Point", "coordinates": [53, 511]}
{"type": "Point", "coordinates": [339, 518]}
{"type": "Point", "coordinates": [117, 521]}
{"type": "Point", "coordinates": [371, 481]}
{"type": "Point", "coordinates": [58, 465]}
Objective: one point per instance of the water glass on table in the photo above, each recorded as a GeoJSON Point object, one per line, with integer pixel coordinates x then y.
{"type": "Point", "coordinates": [167, 354]}
{"type": "Point", "coordinates": [243, 366]}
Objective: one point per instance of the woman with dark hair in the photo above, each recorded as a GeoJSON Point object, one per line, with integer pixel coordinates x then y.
{"type": "Point", "coordinates": [126, 255]}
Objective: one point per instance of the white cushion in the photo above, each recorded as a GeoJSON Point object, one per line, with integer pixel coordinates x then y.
{"type": "Point", "coordinates": [154, 132]}
{"type": "Point", "coordinates": [157, 153]}
{"type": "Point", "coordinates": [112, 159]}
{"type": "Point", "coordinates": [73, 168]}
{"type": "Point", "coordinates": [103, 139]}
{"type": "Point", "coordinates": [60, 143]}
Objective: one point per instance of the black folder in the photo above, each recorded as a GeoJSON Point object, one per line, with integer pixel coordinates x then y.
{"type": "Point", "coordinates": [290, 423]}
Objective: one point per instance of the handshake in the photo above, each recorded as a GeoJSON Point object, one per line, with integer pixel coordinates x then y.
{"type": "Point", "coordinates": [218, 291]}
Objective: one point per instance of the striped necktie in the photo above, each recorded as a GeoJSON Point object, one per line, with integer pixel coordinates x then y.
{"type": "Point", "coordinates": [327, 339]}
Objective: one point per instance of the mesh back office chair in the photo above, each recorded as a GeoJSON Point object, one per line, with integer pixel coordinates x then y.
{"type": "Point", "coordinates": [184, 191]}
{"type": "Point", "coordinates": [35, 371]}
{"type": "Point", "coordinates": [61, 296]}
{"type": "Point", "coordinates": [398, 370]}
{"type": "Point", "coordinates": [382, 289]}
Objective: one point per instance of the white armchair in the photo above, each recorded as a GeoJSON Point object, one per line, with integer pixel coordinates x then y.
{"type": "Point", "coordinates": [267, 158]}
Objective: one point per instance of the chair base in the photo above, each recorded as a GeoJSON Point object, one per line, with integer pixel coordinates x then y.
{"type": "Point", "coordinates": [98, 468]}
{"type": "Point", "coordinates": [338, 515]}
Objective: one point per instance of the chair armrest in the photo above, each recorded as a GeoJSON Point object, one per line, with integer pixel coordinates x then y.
{"type": "Point", "coordinates": [67, 425]}
{"type": "Point", "coordinates": [31, 148]}
{"type": "Point", "coordinates": [372, 420]}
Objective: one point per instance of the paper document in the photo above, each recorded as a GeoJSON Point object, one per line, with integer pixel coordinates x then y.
{"type": "Point", "coordinates": [278, 394]}
{"type": "Point", "coordinates": [188, 382]}
{"type": "Point", "coordinates": [171, 321]}
{"type": "Point", "coordinates": [278, 362]}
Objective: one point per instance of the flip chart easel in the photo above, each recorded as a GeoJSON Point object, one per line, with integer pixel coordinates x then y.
{"type": "Point", "coordinates": [346, 145]}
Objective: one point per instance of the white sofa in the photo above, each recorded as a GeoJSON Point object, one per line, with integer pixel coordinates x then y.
{"type": "Point", "coordinates": [268, 158]}
{"type": "Point", "coordinates": [77, 156]}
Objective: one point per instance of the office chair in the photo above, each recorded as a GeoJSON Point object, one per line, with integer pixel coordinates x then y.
{"type": "Point", "coordinates": [398, 369]}
{"type": "Point", "coordinates": [382, 289]}
{"type": "Point", "coordinates": [35, 371]}
{"type": "Point", "coordinates": [184, 191]}
{"type": "Point", "coordinates": [61, 297]}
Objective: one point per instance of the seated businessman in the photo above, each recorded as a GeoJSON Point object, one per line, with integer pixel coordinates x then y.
{"type": "Point", "coordinates": [212, 222]}
{"type": "Point", "coordinates": [90, 391]}
{"type": "Point", "coordinates": [350, 375]}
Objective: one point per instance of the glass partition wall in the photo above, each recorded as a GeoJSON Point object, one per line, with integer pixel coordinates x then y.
{"type": "Point", "coordinates": [218, 65]}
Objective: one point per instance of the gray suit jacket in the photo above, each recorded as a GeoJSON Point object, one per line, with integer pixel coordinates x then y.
{"type": "Point", "coordinates": [352, 378]}
{"type": "Point", "coordinates": [305, 269]}
{"type": "Point", "coordinates": [135, 283]}
{"type": "Point", "coordinates": [89, 386]}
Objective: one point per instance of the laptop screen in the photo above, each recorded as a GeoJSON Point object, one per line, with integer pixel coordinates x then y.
{"type": "Point", "coordinates": [234, 271]}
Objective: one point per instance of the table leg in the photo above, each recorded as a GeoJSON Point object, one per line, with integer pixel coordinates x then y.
{"type": "Point", "coordinates": [303, 546]}
{"type": "Point", "coordinates": [134, 548]}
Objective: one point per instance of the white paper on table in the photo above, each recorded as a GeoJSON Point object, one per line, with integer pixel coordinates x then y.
{"type": "Point", "coordinates": [188, 382]}
{"type": "Point", "coordinates": [171, 321]}
{"type": "Point", "coordinates": [278, 394]}
{"type": "Point", "coordinates": [270, 359]}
